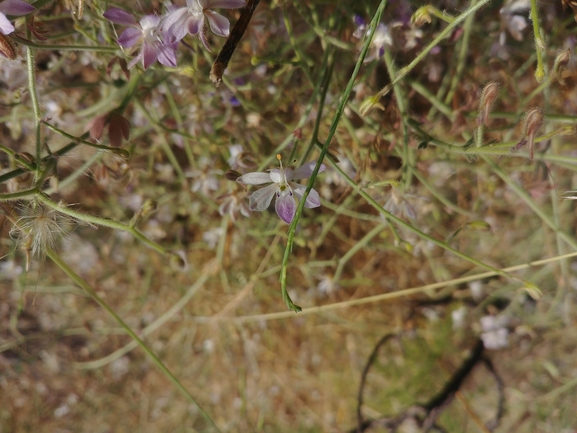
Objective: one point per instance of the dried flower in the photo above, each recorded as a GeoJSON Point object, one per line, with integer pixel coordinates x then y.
{"type": "Point", "coordinates": [488, 96]}
{"type": "Point", "coordinates": [284, 189]}
{"type": "Point", "coordinates": [495, 333]}
{"type": "Point", "coordinates": [531, 124]}
{"type": "Point", "coordinates": [118, 127]}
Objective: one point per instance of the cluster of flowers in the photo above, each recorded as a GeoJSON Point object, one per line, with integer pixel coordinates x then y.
{"type": "Point", "coordinates": [158, 36]}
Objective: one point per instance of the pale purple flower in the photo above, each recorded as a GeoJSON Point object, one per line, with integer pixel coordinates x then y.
{"type": "Point", "coordinates": [148, 33]}
{"type": "Point", "coordinates": [15, 8]}
{"type": "Point", "coordinates": [284, 189]}
{"type": "Point", "coordinates": [190, 19]}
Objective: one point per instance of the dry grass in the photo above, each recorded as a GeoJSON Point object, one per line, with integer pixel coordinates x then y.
{"type": "Point", "coordinates": [67, 366]}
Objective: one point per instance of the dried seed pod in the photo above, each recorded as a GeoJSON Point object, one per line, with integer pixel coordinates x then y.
{"type": "Point", "coordinates": [533, 121]}
{"type": "Point", "coordinates": [7, 48]}
{"type": "Point", "coordinates": [488, 96]}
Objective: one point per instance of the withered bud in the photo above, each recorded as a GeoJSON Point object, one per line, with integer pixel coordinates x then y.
{"type": "Point", "coordinates": [560, 64]}
{"type": "Point", "coordinates": [369, 104]}
{"type": "Point", "coordinates": [148, 207]}
{"type": "Point", "coordinates": [421, 16]}
{"type": "Point", "coordinates": [232, 175]}
{"type": "Point", "coordinates": [533, 121]}
{"type": "Point", "coordinates": [488, 96]}
{"type": "Point", "coordinates": [7, 48]}
{"type": "Point", "coordinates": [178, 260]}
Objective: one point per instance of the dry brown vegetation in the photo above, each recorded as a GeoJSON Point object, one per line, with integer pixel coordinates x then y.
{"type": "Point", "coordinates": [461, 208]}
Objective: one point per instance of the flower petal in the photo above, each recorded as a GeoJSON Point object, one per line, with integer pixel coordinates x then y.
{"type": "Point", "coordinates": [313, 199]}
{"type": "Point", "coordinates": [149, 55]}
{"type": "Point", "coordinates": [307, 169]}
{"type": "Point", "coordinates": [218, 24]}
{"type": "Point", "coordinates": [16, 7]}
{"type": "Point", "coordinates": [285, 207]}
{"type": "Point", "coordinates": [255, 178]}
{"type": "Point", "coordinates": [130, 37]}
{"type": "Point", "coordinates": [166, 56]}
{"type": "Point", "coordinates": [119, 16]}
{"type": "Point", "coordinates": [260, 200]}
{"type": "Point", "coordinates": [6, 26]}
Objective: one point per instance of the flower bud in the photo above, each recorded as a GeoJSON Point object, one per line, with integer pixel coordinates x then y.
{"type": "Point", "coordinates": [488, 96]}
{"type": "Point", "coordinates": [560, 64]}
{"type": "Point", "coordinates": [421, 16]}
{"type": "Point", "coordinates": [533, 121]}
{"type": "Point", "coordinates": [370, 104]}
{"type": "Point", "coordinates": [7, 48]}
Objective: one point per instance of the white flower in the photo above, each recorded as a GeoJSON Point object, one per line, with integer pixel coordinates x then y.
{"type": "Point", "coordinates": [284, 189]}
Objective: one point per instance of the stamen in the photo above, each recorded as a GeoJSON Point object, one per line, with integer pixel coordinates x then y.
{"type": "Point", "coordinates": [279, 157]}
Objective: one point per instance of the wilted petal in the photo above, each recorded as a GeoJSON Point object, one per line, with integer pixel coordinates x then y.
{"type": "Point", "coordinates": [313, 199]}
{"type": "Point", "coordinates": [255, 178]}
{"type": "Point", "coordinates": [218, 24]}
{"type": "Point", "coordinates": [118, 127]}
{"type": "Point", "coordinates": [285, 207]}
{"type": "Point", "coordinates": [119, 16]}
{"type": "Point", "coordinates": [149, 55]}
{"type": "Point", "coordinates": [16, 7]}
{"type": "Point", "coordinates": [96, 127]}
{"type": "Point", "coordinates": [260, 200]}
{"type": "Point", "coordinates": [6, 26]}
{"type": "Point", "coordinates": [306, 170]}
{"type": "Point", "coordinates": [130, 37]}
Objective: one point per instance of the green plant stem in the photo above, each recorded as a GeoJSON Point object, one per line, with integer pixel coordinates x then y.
{"type": "Point", "coordinates": [116, 150]}
{"type": "Point", "coordinates": [442, 35]}
{"type": "Point", "coordinates": [105, 222]}
{"type": "Point", "coordinates": [462, 59]}
{"type": "Point", "coordinates": [401, 99]}
{"type": "Point", "coordinates": [29, 44]}
{"type": "Point", "coordinates": [355, 249]}
{"type": "Point", "coordinates": [31, 68]}
{"type": "Point", "coordinates": [333, 128]}
{"type": "Point", "coordinates": [19, 194]}
{"type": "Point", "coordinates": [82, 284]}
{"type": "Point", "coordinates": [540, 71]}
{"type": "Point", "coordinates": [529, 201]}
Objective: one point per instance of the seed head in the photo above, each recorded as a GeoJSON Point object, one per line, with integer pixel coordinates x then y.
{"type": "Point", "coordinates": [488, 96]}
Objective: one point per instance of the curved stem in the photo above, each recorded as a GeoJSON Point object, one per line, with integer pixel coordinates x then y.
{"type": "Point", "coordinates": [81, 283]}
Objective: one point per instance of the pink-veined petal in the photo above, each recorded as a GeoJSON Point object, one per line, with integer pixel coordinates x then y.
{"type": "Point", "coordinates": [306, 170]}
{"type": "Point", "coordinates": [260, 199]}
{"type": "Point", "coordinates": [6, 26]}
{"type": "Point", "coordinates": [149, 55]}
{"type": "Point", "coordinates": [175, 15]}
{"type": "Point", "coordinates": [255, 178]}
{"type": "Point", "coordinates": [313, 200]}
{"type": "Point", "coordinates": [219, 25]}
{"type": "Point", "coordinates": [285, 206]}
{"type": "Point", "coordinates": [16, 7]}
{"type": "Point", "coordinates": [130, 37]}
{"type": "Point", "coordinates": [119, 16]}
{"type": "Point", "coordinates": [194, 24]}
{"type": "Point", "coordinates": [166, 56]}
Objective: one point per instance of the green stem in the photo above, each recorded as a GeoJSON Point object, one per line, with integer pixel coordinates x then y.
{"type": "Point", "coordinates": [335, 122]}
{"type": "Point", "coordinates": [29, 44]}
{"type": "Point", "coordinates": [105, 222]}
{"type": "Point", "coordinates": [539, 44]}
{"type": "Point", "coordinates": [81, 283]}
